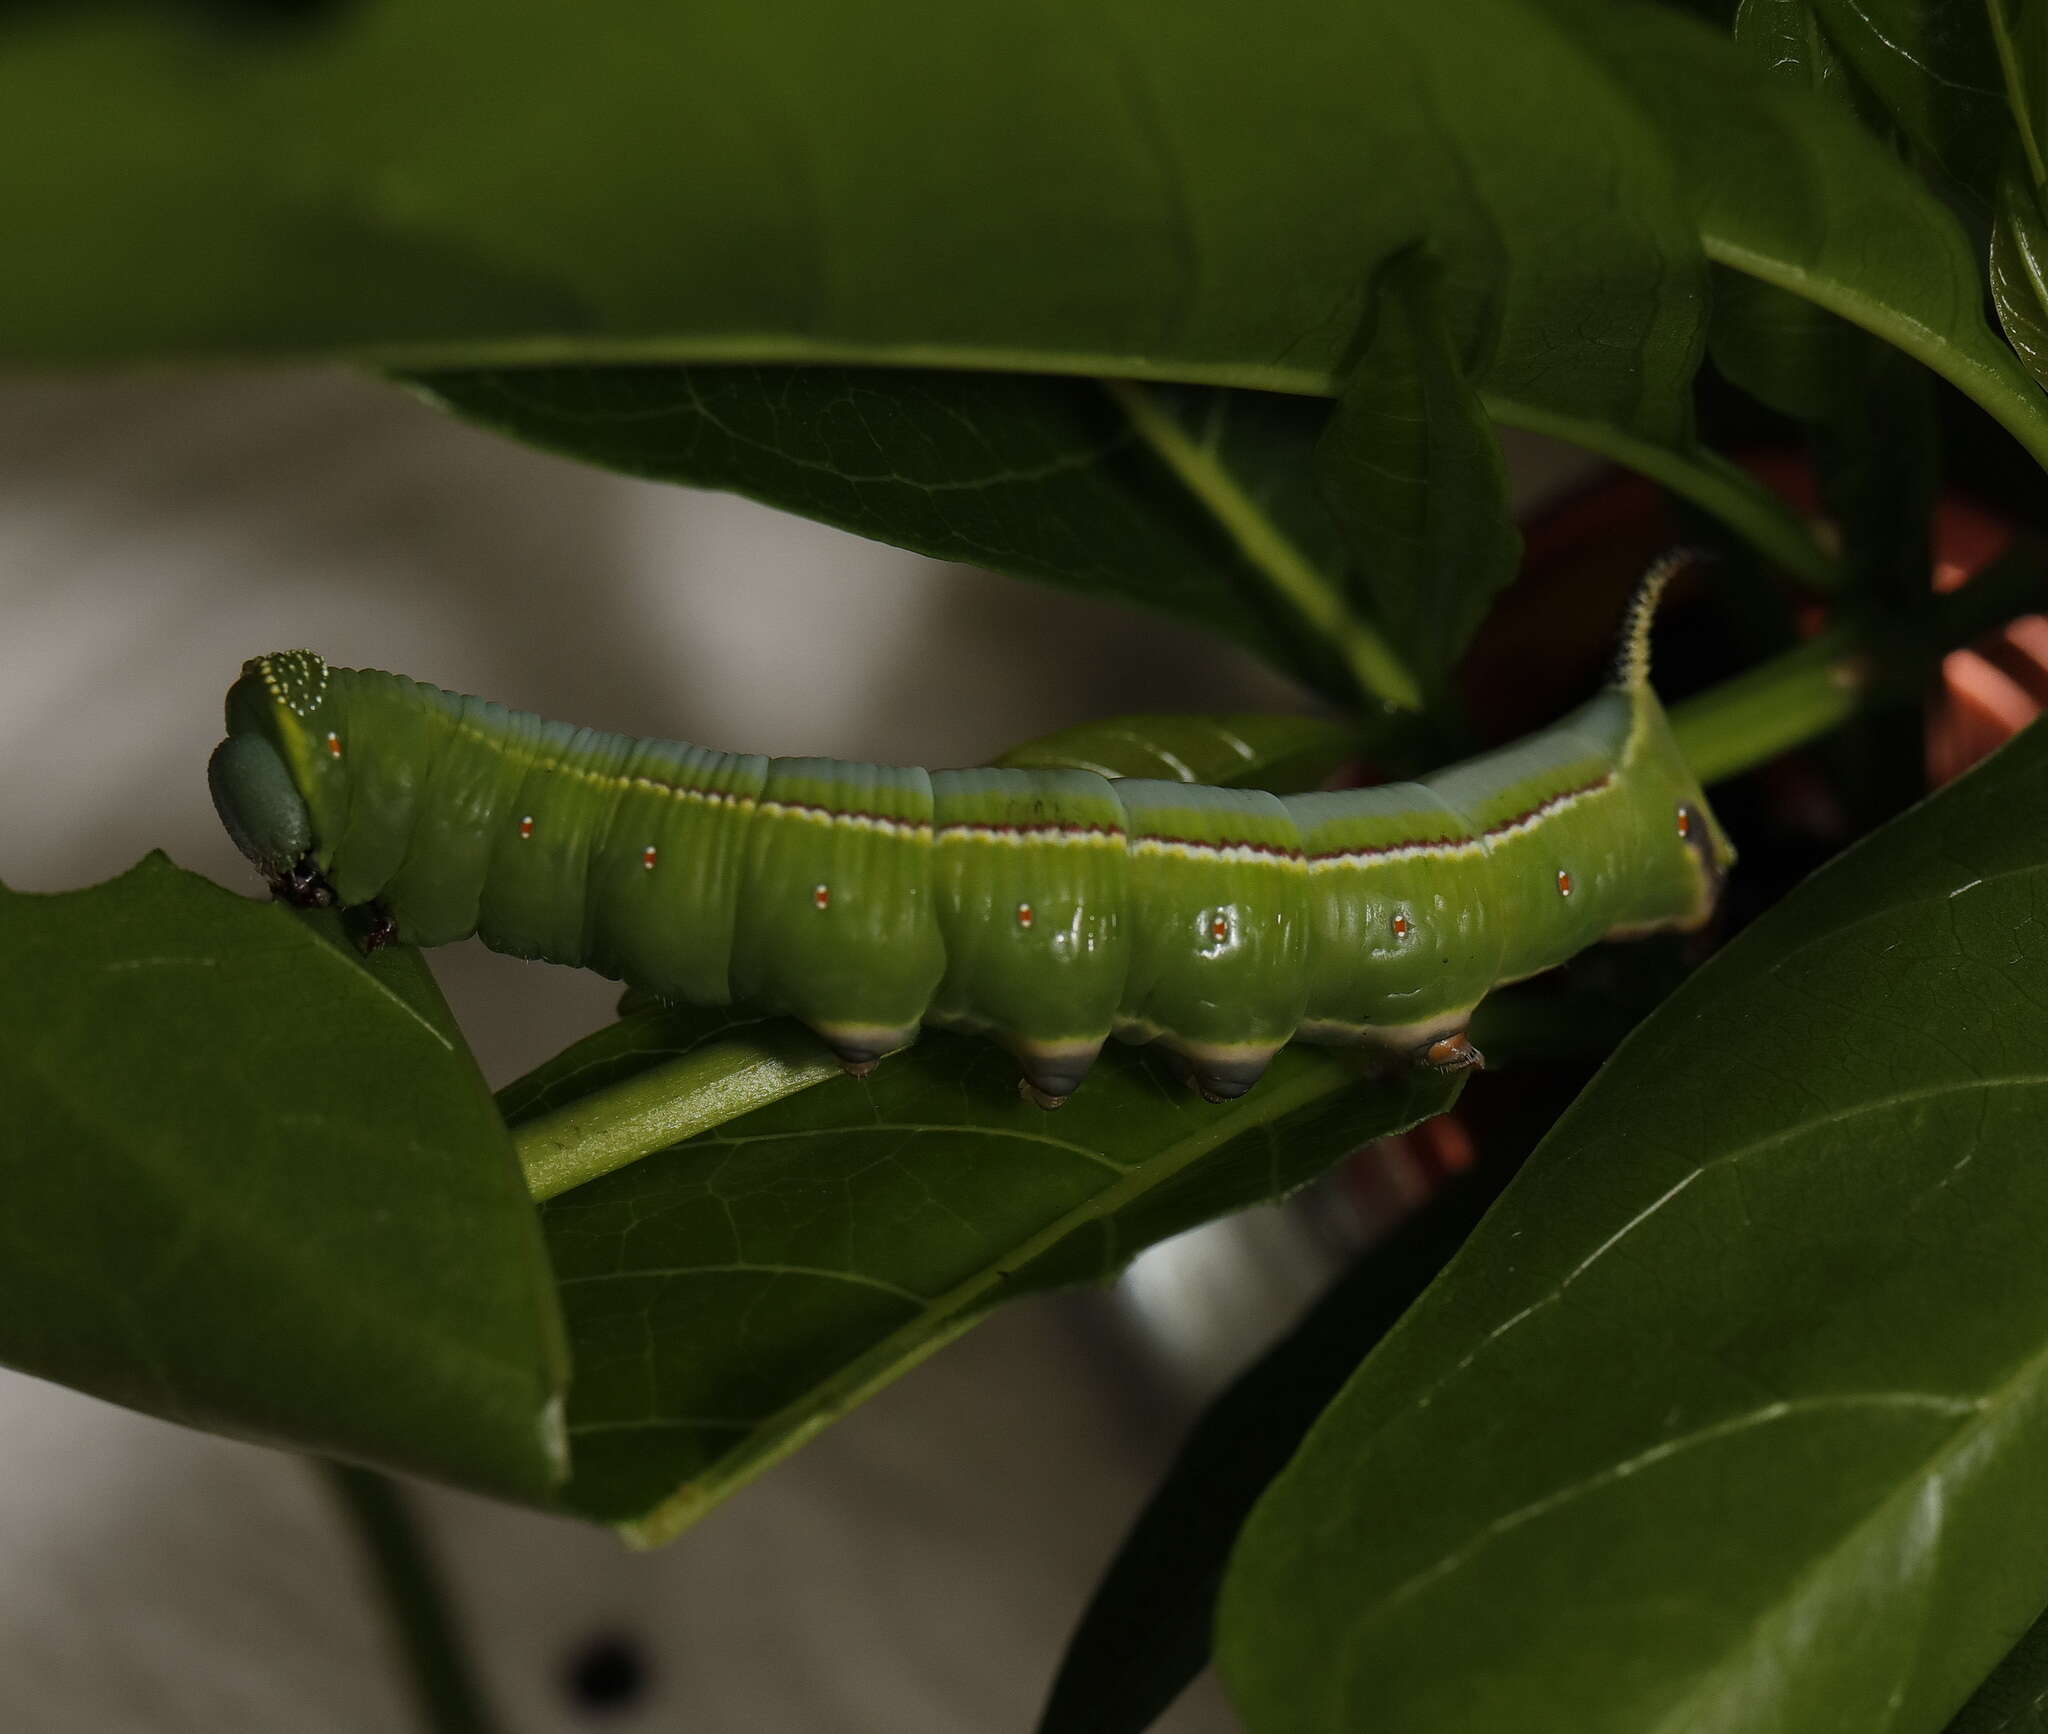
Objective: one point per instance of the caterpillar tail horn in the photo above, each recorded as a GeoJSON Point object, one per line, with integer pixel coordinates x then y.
{"type": "Point", "coordinates": [1632, 657]}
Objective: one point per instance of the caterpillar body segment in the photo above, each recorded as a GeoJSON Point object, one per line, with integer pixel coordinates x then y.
{"type": "Point", "coordinates": [1032, 878]}
{"type": "Point", "coordinates": [1047, 909]}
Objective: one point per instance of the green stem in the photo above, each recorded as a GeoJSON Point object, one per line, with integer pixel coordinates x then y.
{"type": "Point", "coordinates": [665, 1104]}
{"type": "Point", "coordinates": [1774, 707]}
{"type": "Point", "coordinates": [2015, 89]}
{"type": "Point", "coordinates": [444, 1688]}
{"type": "Point", "coordinates": [1858, 665]}
{"type": "Point", "coordinates": [1374, 663]}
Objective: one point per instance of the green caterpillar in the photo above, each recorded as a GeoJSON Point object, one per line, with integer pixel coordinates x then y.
{"type": "Point", "coordinates": [1048, 908]}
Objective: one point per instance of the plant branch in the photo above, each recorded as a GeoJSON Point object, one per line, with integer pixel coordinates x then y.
{"type": "Point", "coordinates": [444, 1687]}
{"type": "Point", "coordinates": [1376, 667]}
{"type": "Point", "coordinates": [665, 1104]}
{"type": "Point", "coordinates": [1859, 664]}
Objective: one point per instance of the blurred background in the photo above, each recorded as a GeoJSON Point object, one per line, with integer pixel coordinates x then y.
{"type": "Point", "coordinates": [918, 1567]}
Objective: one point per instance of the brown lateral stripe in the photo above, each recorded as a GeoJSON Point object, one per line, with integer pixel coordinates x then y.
{"type": "Point", "coordinates": [1477, 844]}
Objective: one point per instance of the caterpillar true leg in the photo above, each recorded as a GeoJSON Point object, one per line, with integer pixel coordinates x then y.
{"type": "Point", "coordinates": [303, 887]}
{"type": "Point", "coordinates": [381, 930]}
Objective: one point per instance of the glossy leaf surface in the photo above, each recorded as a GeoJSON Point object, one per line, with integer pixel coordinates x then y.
{"type": "Point", "coordinates": [526, 188]}
{"type": "Point", "coordinates": [1869, 408]}
{"type": "Point", "coordinates": [2014, 1700]}
{"type": "Point", "coordinates": [1798, 195]}
{"type": "Point", "coordinates": [1731, 1414]}
{"type": "Point", "coordinates": [1411, 468]}
{"type": "Point", "coordinates": [2019, 271]}
{"type": "Point", "coordinates": [1175, 195]}
{"type": "Point", "coordinates": [259, 1187]}
{"type": "Point", "coordinates": [1145, 1634]}
{"type": "Point", "coordinates": [1781, 348]}
{"type": "Point", "coordinates": [1933, 67]}
{"type": "Point", "coordinates": [729, 1297]}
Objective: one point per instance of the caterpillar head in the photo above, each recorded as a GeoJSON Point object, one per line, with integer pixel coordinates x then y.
{"type": "Point", "coordinates": [276, 725]}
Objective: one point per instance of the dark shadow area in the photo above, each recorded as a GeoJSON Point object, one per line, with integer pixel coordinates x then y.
{"type": "Point", "coordinates": [607, 1674]}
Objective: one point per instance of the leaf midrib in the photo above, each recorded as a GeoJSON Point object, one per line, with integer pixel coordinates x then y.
{"type": "Point", "coordinates": [1984, 1410]}
{"type": "Point", "coordinates": [949, 1313]}
{"type": "Point", "coordinates": [1991, 1406]}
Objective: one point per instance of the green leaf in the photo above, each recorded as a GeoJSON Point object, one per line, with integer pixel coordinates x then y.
{"type": "Point", "coordinates": [1040, 478]}
{"type": "Point", "coordinates": [444, 185]}
{"type": "Point", "coordinates": [2019, 271]}
{"type": "Point", "coordinates": [1282, 753]}
{"type": "Point", "coordinates": [1145, 1635]}
{"type": "Point", "coordinates": [1412, 470]}
{"type": "Point", "coordinates": [2019, 39]}
{"type": "Point", "coordinates": [1933, 67]}
{"type": "Point", "coordinates": [1782, 349]}
{"type": "Point", "coordinates": [257, 1187]}
{"type": "Point", "coordinates": [481, 187]}
{"type": "Point", "coordinates": [1195, 502]}
{"type": "Point", "coordinates": [1787, 353]}
{"type": "Point", "coordinates": [1787, 38]}
{"type": "Point", "coordinates": [1871, 409]}
{"type": "Point", "coordinates": [1791, 191]}
{"type": "Point", "coordinates": [1199, 450]}
{"type": "Point", "coordinates": [1731, 1414]}
{"type": "Point", "coordinates": [2014, 1700]}
{"type": "Point", "coordinates": [2019, 232]}
{"type": "Point", "coordinates": [730, 1297]}
{"type": "Point", "coordinates": [437, 185]}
